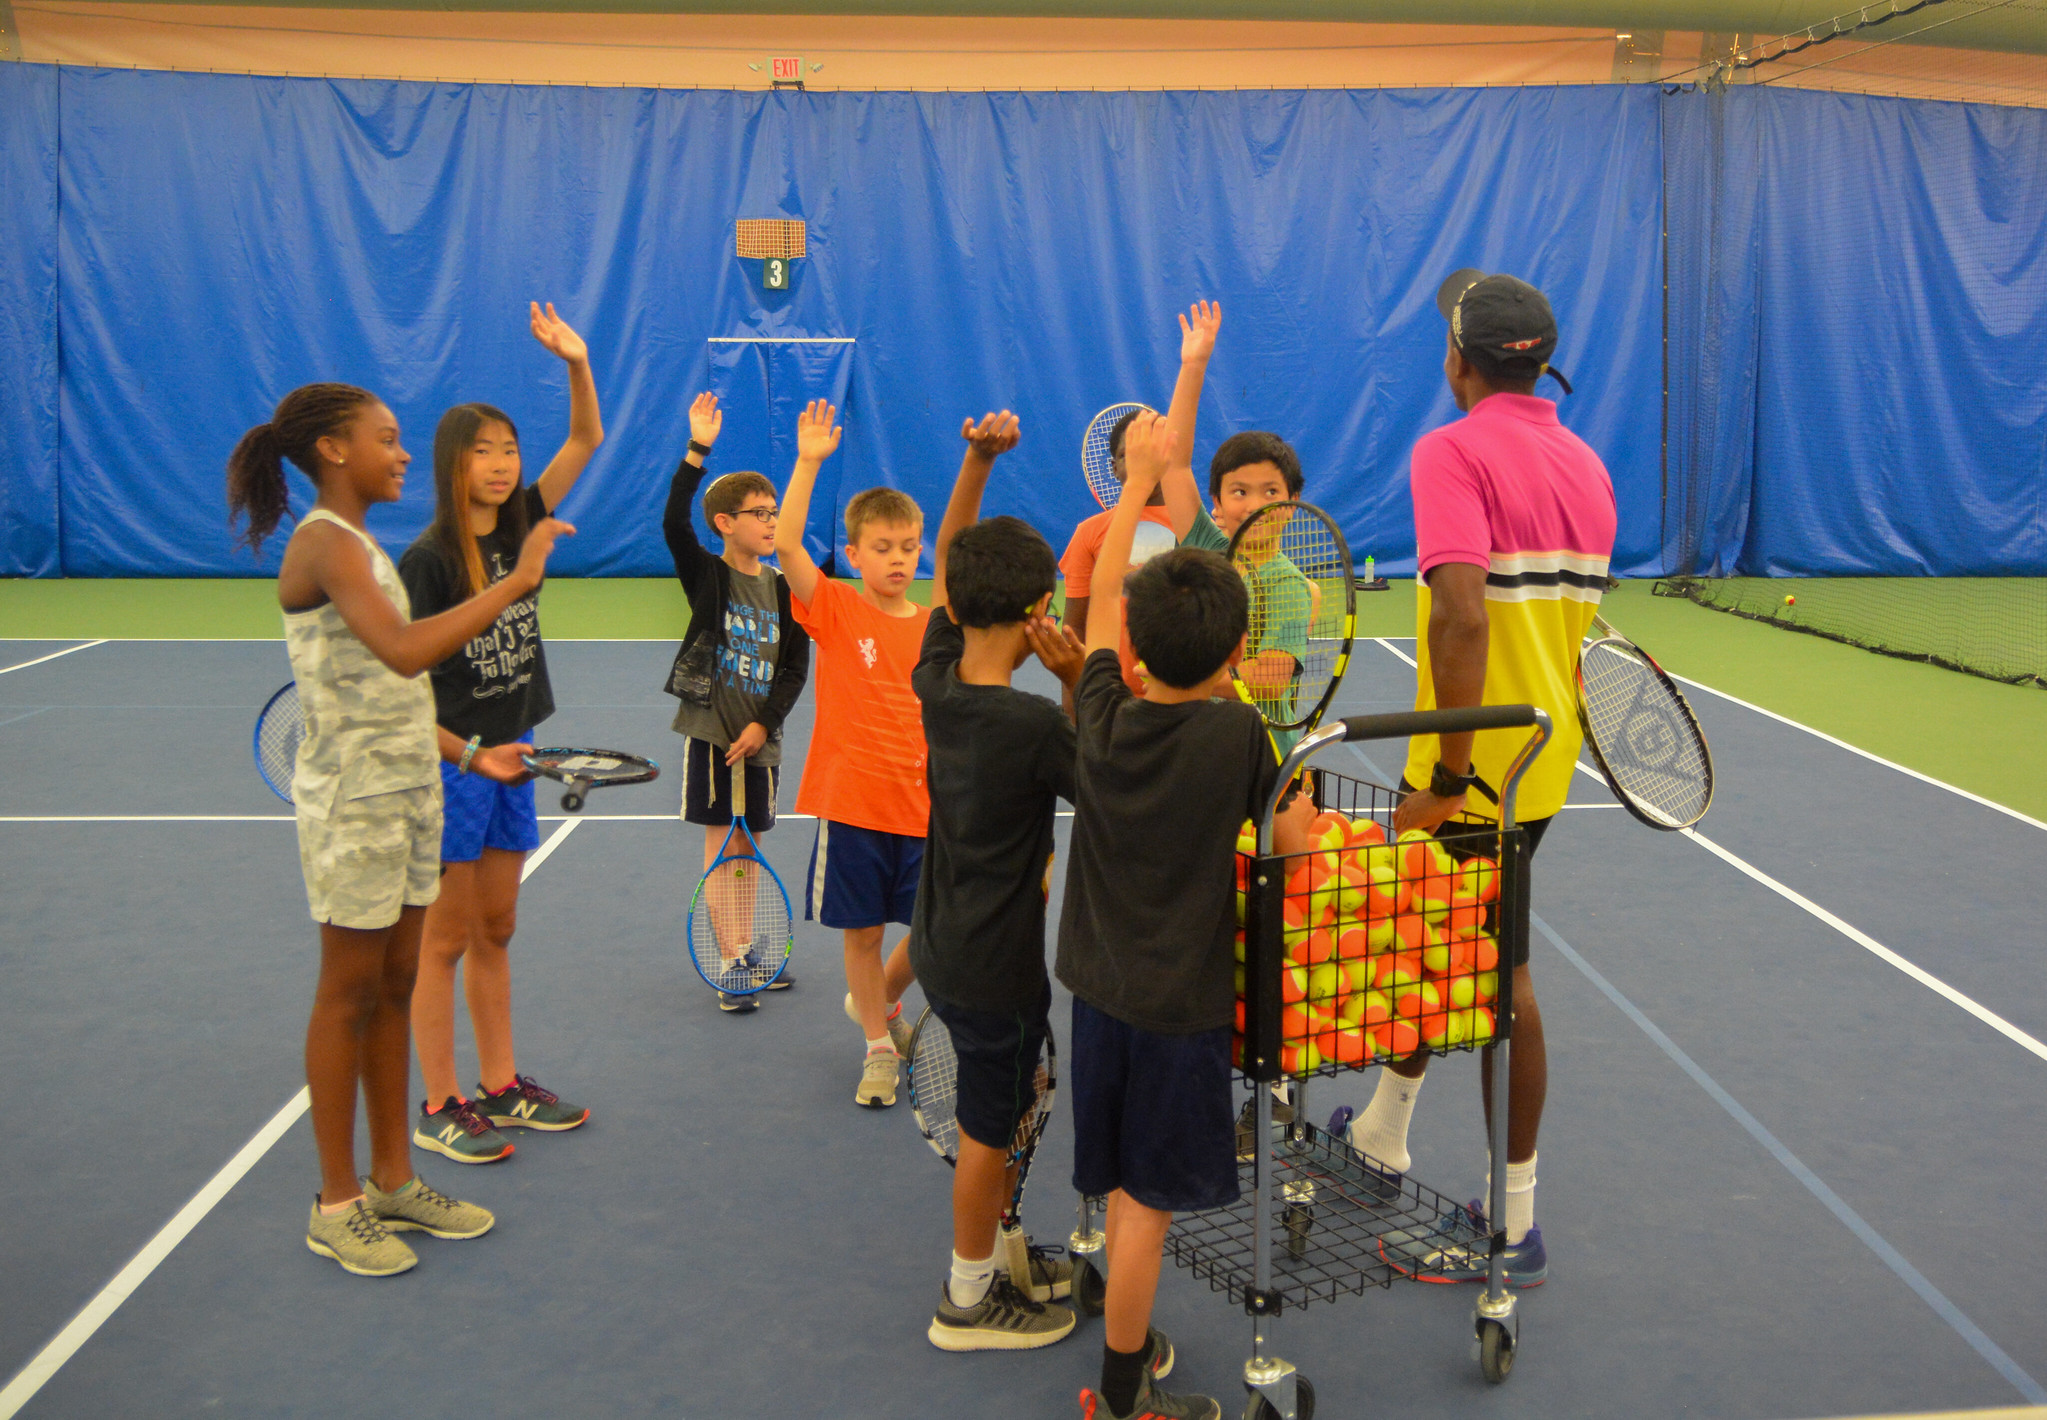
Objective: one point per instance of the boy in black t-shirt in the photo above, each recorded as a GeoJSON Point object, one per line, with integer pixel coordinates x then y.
{"type": "Point", "coordinates": [999, 759]}
{"type": "Point", "coordinates": [1162, 785]}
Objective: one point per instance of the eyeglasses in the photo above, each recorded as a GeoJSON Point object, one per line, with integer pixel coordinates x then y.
{"type": "Point", "coordinates": [766, 515]}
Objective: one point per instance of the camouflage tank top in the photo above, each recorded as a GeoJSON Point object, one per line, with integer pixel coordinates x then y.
{"type": "Point", "coordinates": [369, 730]}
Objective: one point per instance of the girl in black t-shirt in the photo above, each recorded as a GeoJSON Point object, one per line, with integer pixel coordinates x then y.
{"type": "Point", "coordinates": [488, 696]}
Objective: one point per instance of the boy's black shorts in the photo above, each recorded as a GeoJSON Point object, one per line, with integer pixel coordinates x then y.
{"type": "Point", "coordinates": [707, 787]}
{"type": "Point", "coordinates": [998, 1063]}
{"type": "Point", "coordinates": [1152, 1114]}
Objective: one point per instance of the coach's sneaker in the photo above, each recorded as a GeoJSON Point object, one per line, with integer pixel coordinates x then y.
{"type": "Point", "coordinates": [524, 1105]}
{"type": "Point", "coordinates": [457, 1130]}
{"type": "Point", "coordinates": [1458, 1249]}
{"type": "Point", "coordinates": [738, 1005]}
{"type": "Point", "coordinates": [419, 1207]}
{"type": "Point", "coordinates": [1382, 1186]}
{"type": "Point", "coordinates": [878, 1078]}
{"type": "Point", "coordinates": [1152, 1404]}
{"type": "Point", "coordinates": [1006, 1320]}
{"type": "Point", "coordinates": [359, 1241]}
{"type": "Point", "coordinates": [1044, 1274]}
{"type": "Point", "coordinates": [900, 1031]}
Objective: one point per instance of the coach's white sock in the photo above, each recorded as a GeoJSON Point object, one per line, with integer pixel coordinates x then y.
{"type": "Point", "coordinates": [1381, 1131]}
{"type": "Point", "coordinates": [970, 1280]}
{"type": "Point", "coordinates": [1520, 1199]}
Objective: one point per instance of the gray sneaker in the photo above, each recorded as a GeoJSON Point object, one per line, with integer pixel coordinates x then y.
{"type": "Point", "coordinates": [1153, 1404]}
{"type": "Point", "coordinates": [359, 1241]}
{"type": "Point", "coordinates": [420, 1207]}
{"type": "Point", "coordinates": [1006, 1320]}
{"type": "Point", "coordinates": [1044, 1274]}
{"type": "Point", "coordinates": [458, 1131]}
{"type": "Point", "coordinates": [900, 1030]}
{"type": "Point", "coordinates": [877, 1089]}
{"type": "Point", "coordinates": [523, 1104]}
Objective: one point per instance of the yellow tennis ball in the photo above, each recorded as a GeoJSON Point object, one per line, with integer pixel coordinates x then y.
{"type": "Point", "coordinates": [1790, 600]}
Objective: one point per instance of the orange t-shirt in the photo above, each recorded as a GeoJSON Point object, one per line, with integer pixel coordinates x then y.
{"type": "Point", "coordinates": [866, 761]}
{"type": "Point", "coordinates": [1078, 568]}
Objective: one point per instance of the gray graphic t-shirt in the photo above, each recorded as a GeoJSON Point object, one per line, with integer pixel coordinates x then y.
{"type": "Point", "coordinates": [743, 671]}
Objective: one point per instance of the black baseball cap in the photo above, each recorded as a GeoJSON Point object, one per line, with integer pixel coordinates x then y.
{"type": "Point", "coordinates": [1501, 323]}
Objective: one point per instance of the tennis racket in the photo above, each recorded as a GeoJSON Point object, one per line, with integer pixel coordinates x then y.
{"type": "Point", "coordinates": [1642, 734]}
{"type": "Point", "coordinates": [1096, 461]}
{"type": "Point", "coordinates": [280, 727]}
{"type": "Point", "coordinates": [934, 1100]}
{"type": "Point", "coordinates": [740, 929]}
{"type": "Point", "coordinates": [1296, 566]}
{"type": "Point", "coordinates": [581, 770]}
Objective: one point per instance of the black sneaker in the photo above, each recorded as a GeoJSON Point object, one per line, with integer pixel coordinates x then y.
{"type": "Point", "coordinates": [1152, 1404]}
{"type": "Point", "coordinates": [737, 1005]}
{"type": "Point", "coordinates": [786, 980]}
{"type": "Point", "coordinates": [1006, 1320]}
{"type": "Point", "coordinates": [1247, 1123]}
{"type": "Point", "coordinates": [457, 1130]}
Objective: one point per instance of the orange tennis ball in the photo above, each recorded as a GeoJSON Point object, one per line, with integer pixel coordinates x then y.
{"type": "Point", "coordinates": [1435, 1029]}
{"type": "Point", "coordinates": [1378, 1008]}
{"type": "Point", "coordinates": [1417, 998]}
{"type": "Point", "coordinates": [1354, 1046]}
{"type": "Point", "coordinates": [1485, 952]}
{"type": "Point", "coordinates": [1396, 969]}
{"type": "Point", "coordinates": [1329, 832]}
{"type": "Point", "coordinates": [1295, 1023]}
{"type": "Point", "coordinates": [1293, 984]}
{"type": "Point", "coordinates": [1240, 1015]}
{"type": "Point", "coordinates": [1365, 831]}
{"type": "Point", "coordinates": [1302, 1059]}
{"type": "Point", "coordinates": [1398, 1038]}
{"type": "Point", "coordinates": [1479, 878]}
{"type": "Point", "coordinates": [1353, 943]}
{"type": "Point", "coordinates": [1412, 932]}
{"type": "Point", "coordinates": [1447, 958]}
{"type": "Point", "coordinates": [1465, 917]}
{"type": "Point", "coordinates": [1240, 946]}
{"type": "Point", "coordinates": [1310, 948]}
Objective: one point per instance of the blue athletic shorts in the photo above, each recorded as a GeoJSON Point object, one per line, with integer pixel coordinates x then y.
{"type": "Point", "coordinates": [707, 788]}
{"type": "Point", "coordinates": [863, 877]}
{"type": "Point", "coordinates": [998, 1065]}
{"type": "Point", "coordinates": [1152, 1114]}
{"type": "Point", "coordinates": [479, 813]}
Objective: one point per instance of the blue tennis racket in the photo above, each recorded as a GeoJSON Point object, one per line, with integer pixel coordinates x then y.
{"type": "Point", "coordinates": [279, 729]}
{"type": "Point", "coordinates": [740, 927]}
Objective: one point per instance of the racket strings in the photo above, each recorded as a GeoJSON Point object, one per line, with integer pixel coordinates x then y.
{"type": "Point", "coordinates": [935, 1087]}
{"type": "Point", "coordinates": [1297, 572]}
{"type": "Point", "coordinates": [1642, 733]}
{"type": "Point", "coordinates": [742, 922]}
{"type": "Point", "coordinates": [1097, 462]}
{"type": "Point", "coordinates": [279, 732]}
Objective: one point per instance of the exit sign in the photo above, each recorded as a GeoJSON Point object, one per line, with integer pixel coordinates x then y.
{"type": "Point", "coordinates": [787, 69]}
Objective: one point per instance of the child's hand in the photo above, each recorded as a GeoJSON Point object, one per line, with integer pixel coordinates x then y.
{"type": "Point", "coordinates": [705, 419]}
{"type": "Point", "coordinates": [501, 763]}
{"type": "Point", "coordinates": [995, 435]}
{"type": "Point", "coordinates": [539, 543]}
{"type": "Point", "coordinates": [1198, 330]}
{"type": "Point", "coordinates": [817, 438]}
{"type": "Point", "coordinates": [1148, 446]}
{"type": "Point", "coordinates": [554, 332]}
{"type": "Point", "coordinates": [747, 745]}
{"type": "Point", "coordinates": [1060, 651]}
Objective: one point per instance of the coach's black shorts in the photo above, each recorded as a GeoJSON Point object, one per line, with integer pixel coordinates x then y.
{"type": "Point", "coordinates": [707, 787]}
{"type": "Point", "coordinates": [1152, 1114]}
{"type": "Point", "coordinates": [1535, 828]}
{"type": "Point", "coordinates": [998, 1065]}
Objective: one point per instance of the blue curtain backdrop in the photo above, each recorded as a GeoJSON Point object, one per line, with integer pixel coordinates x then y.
{"type": "Point", "coordinates": [1857, 302]}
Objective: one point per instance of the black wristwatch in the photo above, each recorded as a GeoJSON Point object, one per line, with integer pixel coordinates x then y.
{"type": "Point", "coordinates": [696, 448]}
{"type": "Point", "coordinates": [1445, 785]}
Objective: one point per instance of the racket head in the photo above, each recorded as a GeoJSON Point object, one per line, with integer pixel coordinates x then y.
{"type": "Point", "coordinates": [1296, 566]}
{"type": "Point", "coordinates": [1643, 735]}
{"type": "Point", "coordinates": [1096, 464]}
{"type": "Point", "coordinates": [739, 929]}
{"type": "Point", "coordinates": [935, 1086]}
{"type": "Point", "coordinates": [280, 729]}
{"type": "Point", "coordinates": [596, 768]}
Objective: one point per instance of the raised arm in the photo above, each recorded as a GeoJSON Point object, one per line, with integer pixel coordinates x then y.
{"type": "Point", "coordinates": [586, 429]}
{"type": "Point", "coordinates": [1198, 329]}
{"type": "Point", "coordinates": [678, 525]}
{"type": "Point", "coordinates": [817, 439]}
{"type": "Point", "coordinates": [987, 441]}
{"type": "Point", "coordinates": [1148, 448]}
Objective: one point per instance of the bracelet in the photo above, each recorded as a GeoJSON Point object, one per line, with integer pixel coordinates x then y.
{"type": "Point", "coordinates": [468, 753]}
{"type": "Point", "coordinates": [696, 448]}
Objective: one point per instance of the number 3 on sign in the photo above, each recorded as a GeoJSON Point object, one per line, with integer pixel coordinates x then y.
{"type": "Point", "coordinates": [775, 273]}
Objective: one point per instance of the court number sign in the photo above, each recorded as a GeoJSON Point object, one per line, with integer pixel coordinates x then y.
{"type": "Point", "coordinates": [775, 273]}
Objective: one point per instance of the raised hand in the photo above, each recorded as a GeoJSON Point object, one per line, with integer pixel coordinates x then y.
{"type": "Point", "coordinates": [1198, 330]}
{"type": "Point", "coordinates": [817, 437]}
{"type": "Point", "coordinates": [995, 435]}
{"type": "Point", "coordinates": [1148, 446]}
{"type": "Point", "coordinates": [557, 335]}
{"type": "Point", "coordinates": [705, 419]}
{"type": "Point", "coordinates": [539, 543]}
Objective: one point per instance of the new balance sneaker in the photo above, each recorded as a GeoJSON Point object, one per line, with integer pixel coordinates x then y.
{"type": "Point", "coordinates": [878, 1076]}
{"type": "Point", "coordinates": [1006, 1320]}
{"type": "Point", "coordinates": [1458, 1249]}
{"type": "Point", "coordinates": [1151, 1404]}
{"type": "Point", "coordinates": [419, 1207]}
{"type": "Point", "coordinates": [1046, 1273]}
{"type": "Point", "coordinates": [1247, 1123]}
{"type": "Point", "coordinates": [359, 1241]}
{"type": "Point", "coordinates": [524, 1105]}
{"type": "Point", "coordinates": [457, 1130]}
{"type": "Point", "coordinates": [900, 1030]}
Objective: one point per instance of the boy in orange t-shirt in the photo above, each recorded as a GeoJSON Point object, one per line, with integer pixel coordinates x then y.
{"type": "Point", "coordinates": [863, 778]}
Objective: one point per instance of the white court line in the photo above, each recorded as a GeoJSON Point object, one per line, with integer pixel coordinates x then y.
{"type": "Point", "coordinates": [779, 340]}
{"type": "Point", "coordinates": [79, 1330]}
{"type": "Point", "coordinates": [24, 665]}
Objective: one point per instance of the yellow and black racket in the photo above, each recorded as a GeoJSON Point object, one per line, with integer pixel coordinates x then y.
{"type": "Point", "coordinates": [1296, 566]}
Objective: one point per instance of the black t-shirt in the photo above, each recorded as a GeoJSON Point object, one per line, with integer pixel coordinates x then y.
{"type": "Point", "coordinates": [1146, 930]}
{"type": "Point", "coordinates": [999, 760]}
{"type": "Point", "coordinates": [496, 686]}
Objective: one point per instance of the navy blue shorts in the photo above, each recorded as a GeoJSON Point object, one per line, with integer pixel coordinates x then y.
{"type": "Point", "coordinates": [998, 1065]}
{"type": "Point", "coordinates": [707, 788]}
{"type": "Point", "coordinates": [862, 877]}
{"type": "Point", "coordinates": [479, 813]}
{"type": "Point", "coordinates": [1152, 1114]}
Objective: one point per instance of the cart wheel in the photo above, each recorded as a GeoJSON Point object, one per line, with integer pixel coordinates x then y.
{"type": "Point", "coordinates": [1300, 1221]}
{"type": "Point", "coordinates": [1304, 1403]}
{"type": "Point", "coordinates": [1088, 1287]}
{"type": "Point", "coordinates": [1495, 1351]}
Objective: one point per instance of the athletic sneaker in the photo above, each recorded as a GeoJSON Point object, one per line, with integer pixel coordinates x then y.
{"type": "Point", "coordinates": [740, 1005]}
{"type": "Point", "coordinates": [1160, 1363]}
{"type": "Point", "coordinates": [1247, 1122]}
{"type": "Point", "coordinates": [1382, 1186]}
{"type": "Point", "coordinates": [784, 981]}
{"type": "Point", "coordinates": [1048, 1271]}
{"type": "Point", "coordinates": [900, 1031]}
{"type": "Point", "coordinates": [524, 1105]}
{"type": "Point", "coordinates": [420, 1207]}
{"type": "Point", "coordinates": [1006, 1320]}
{"type": "Point", "coordinates": [359, 1241]}
{"type": "Point", "coordinates": [1151, 1404]}
{"type": "Point", "coordinates": [1458, 1249]}
{"type": "Point", "coordinates": [458, 1131]}
{"type": "Point", "coordinates": [738, 977]}
{"type": "Point", "coordinates": [878, 1078]}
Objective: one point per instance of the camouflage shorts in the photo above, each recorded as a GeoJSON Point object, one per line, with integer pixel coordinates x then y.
{"type": "Point", "coordinates": [372, 857]}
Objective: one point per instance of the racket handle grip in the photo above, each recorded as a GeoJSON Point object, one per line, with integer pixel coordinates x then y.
{"type": "Point", "coordinates": [572, 796]}
{"type": "Point", "coordinates": [1409, 723]}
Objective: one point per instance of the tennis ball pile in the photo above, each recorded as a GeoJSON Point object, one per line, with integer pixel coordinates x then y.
{"type": "Point", "coordinates": [1388, 945]}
